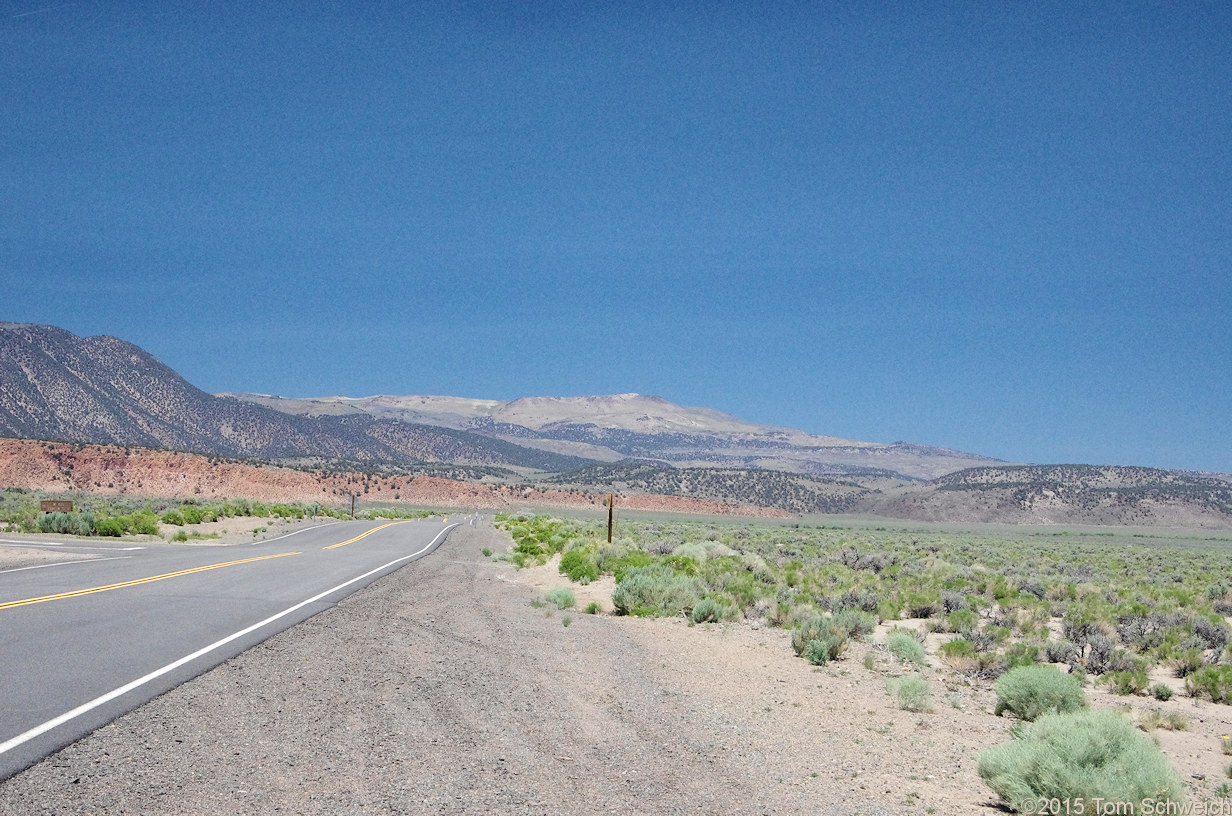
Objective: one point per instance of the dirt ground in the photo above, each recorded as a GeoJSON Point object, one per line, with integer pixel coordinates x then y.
{"type": "Point", "coordinates": [442, 689]}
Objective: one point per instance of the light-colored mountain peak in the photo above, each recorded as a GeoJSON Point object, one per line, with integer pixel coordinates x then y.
{"type": "Point", "coordinates": [632, 412]}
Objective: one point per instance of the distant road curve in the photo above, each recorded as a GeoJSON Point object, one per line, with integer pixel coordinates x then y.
{"type": "Point", "coordinates": [80, 646]}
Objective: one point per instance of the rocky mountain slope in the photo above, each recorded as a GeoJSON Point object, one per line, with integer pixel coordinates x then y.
{"type": "Point", "coordinates": [55, 385]}
{"type": "Point", "coordinates": [635, 426]}
{"type": "Point", "coordinates": [558, 450]}
{"type": "Point", "coordinates": [1065, 494]}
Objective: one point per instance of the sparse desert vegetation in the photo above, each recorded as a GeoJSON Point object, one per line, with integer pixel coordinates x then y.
{"type": "Point", "coordinates": [1043, 615]}
{"type": "Point", "coordinates": [111, 516]}
{"type": "Point", "coordinates": [1111, 610]}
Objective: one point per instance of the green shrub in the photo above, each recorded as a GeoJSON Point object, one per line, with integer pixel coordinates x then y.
{"type": "Point", "coordinates": [1127, 682]}
{"type": "Point", "coordinates": [174, 518]}
{"type": "Point", "coordinates": [1161, 692]}
{"type": "Point", "coordinates": [142, 523]}
{"type": "Point", "coordinates": [1214, 682]}
{"type": "Point", "coordinates": [710, 609]}
{"type": "Point", "coordinates": [912, 693]}
{"type": "Point", "coordinates": [561, 597]}
{"type": "Point", "coordinates": [818, 640]}
{"type": "Point", "coordinates": [823, 649]}
{"type": "Point", "coordinates": [854, 623]}
{"type": "Point", "coordinates": [1188, 661]}
{"type": "Point", "coordinates": [1021, 654]}
{"type": "Point", "coordinates": [656, 590]}
{"type": "Point", "coordinates": [958, 648]}
{"type": "Point", "coordinates": [180, 536]}
{"type": "Point", "coordinates": [78, 524]}
{"type": "Point", "coordinates": [1080, 754]}
{"type": "Point", "coordinates": [192, 514]}
{"type": "Point", "coordinates": [579, 566]}
{"type": "Point", "coordinates": [593, 608]}
{"type": "Point", "coordinates": [962, 621]}
{"type": "Point", "coordinates": [108, 527]}
{"type": "Point", "coordinates": [905, 647]}
{"type": "Point", "coordinates": [1029, 692]}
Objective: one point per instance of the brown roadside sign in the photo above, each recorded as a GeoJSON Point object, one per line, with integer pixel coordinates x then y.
{"type": "Point", "coordinates": [56, 506]}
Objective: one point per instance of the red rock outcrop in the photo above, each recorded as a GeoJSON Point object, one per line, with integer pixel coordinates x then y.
{"type": "Point", "coordinates": [59, 467]}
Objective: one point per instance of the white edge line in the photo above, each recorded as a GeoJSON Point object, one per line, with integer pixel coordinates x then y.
{"type": "Point", "coordinates": [170, 667]}
{"type": "Point", "coordinates": [34, 545]}
{"type": "Point", "coordinates": [288, 535]}
{"type": "Point", "coordinates": [68, 563]}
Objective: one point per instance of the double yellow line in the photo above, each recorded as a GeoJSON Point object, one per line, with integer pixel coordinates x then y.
{"type": "Point", "coordinates": [364, 535]}
{"type": "Point", "coordinates": [92, 590]}
{"type": "Point", "coordinates": [151, 579]}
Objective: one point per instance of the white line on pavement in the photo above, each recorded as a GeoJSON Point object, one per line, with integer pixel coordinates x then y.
{"type": "Point", "coordinates": [170, 667]}
{"type": "Point", "coordinates": [68, 563]}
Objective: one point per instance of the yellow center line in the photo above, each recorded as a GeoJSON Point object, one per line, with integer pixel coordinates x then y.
{"type": "Point", "coordinates": [363, 535]}
{"type": "Point", "coordinates": [92, 590]}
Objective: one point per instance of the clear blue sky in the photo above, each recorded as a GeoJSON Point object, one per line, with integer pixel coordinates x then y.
{"type": "Point", "coordinates": [999, 227]}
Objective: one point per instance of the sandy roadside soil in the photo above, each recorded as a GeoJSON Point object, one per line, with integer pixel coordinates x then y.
{"type": "Point", "coordinates": [440, 689]}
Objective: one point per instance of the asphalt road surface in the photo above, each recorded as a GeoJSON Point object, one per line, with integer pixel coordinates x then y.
{"type": "Point", "coordinates": [83, 642]}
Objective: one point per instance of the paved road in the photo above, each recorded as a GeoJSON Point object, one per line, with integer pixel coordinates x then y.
{"type": "Point", "coordinates": [83, 642]}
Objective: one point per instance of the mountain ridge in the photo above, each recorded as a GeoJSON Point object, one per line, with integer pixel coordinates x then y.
{"type": "Point", "coordinates": [103, 390]}
{"type": "Point", "coordinates": [620, 426]}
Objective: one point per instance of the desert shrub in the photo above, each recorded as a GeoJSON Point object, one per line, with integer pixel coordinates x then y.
{"type": "Point", "coordinates": [1214, 682]}
{"type": "Point", "coordinates": [921, 604]}
{"type": "Point", "coordinates": [79, 524]}
{"type": "Point", "coordinates": [865, 600]}
{"type": "Point", "coordinates": [1103, 656]}
{"type": "Point", "coordinates": [1170, 721]}
{"type": "Point", "coordinates": [1214, 635]}
{"type": "Point", "coordinates": [1084, 755]}
{"type": "Point", "coordinates": [1188, 661]}
{"type": "Point", "coordinates": [280, 510]}
{"type": "Point", "coordinates": [682, 564]}
{"type": "Point", "coordinates": [958, 648]}
{"type": "Point", "coordinates": [142, 523]}
{"type": "Point", "coordinates": [108, 527]}
{"type": "Point", "coordinates": [620, 565]}
{"type": "Point", "coordinates": [854, 623]}
{"type": "Point", "coordinates": [579, 566]}
{"type": "Point", "coordinates": [1021, 654]}
{"type": "Point", "coordinates": [1060, 651]}
{"type": "Point", "coordinates": [180, 537]}
{"type": "Point", "coordinates": [912, 693]}
{"type": "Point", "coordinates": [656, 590]}
{"type": "Point", "coordinates": [905, 647]}
{"type": "Point", "coordinates": [1127, 682]}
{"type": "Point", "coordinates": [962, 621]}
{"type": "Point", "coordinates": [593, 608]}
{"type": "Point", "coordinates": [953, 601]}
{"type": "Point", "coordinates": [1161, 692]}
{"type": "Point", "coordinates": [818, 640]}
{"type": "Point", "coordinates": [695, 552]}
{"type": "Point", "coordinates": [561, 597]}
{"type": "Point", "coordinates": [1029, 692]}
{"type": "Point", "coordinates": [712, 609]}
{"type": "Point", "coordinates": [192, 514]}
{"type": "Point", "coordinates": [174, 518]}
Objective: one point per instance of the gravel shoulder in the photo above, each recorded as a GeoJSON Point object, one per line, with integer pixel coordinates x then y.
{"type": "Point", "coordinates": [440, 689]}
